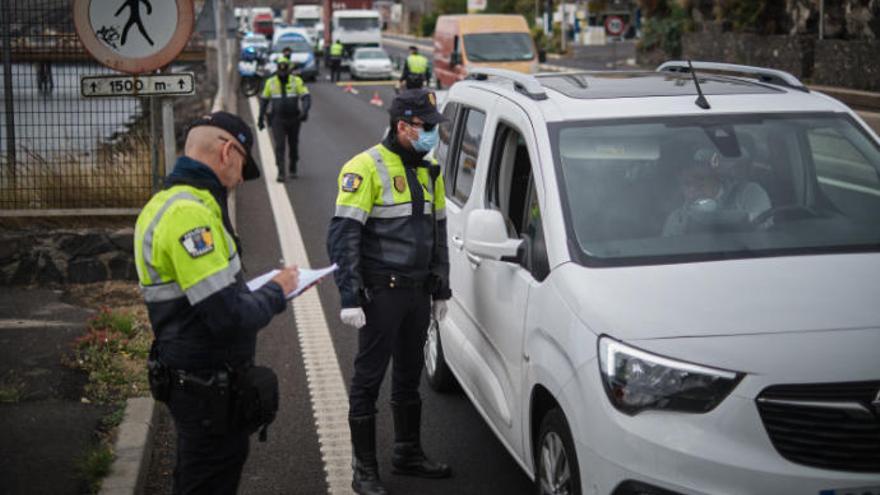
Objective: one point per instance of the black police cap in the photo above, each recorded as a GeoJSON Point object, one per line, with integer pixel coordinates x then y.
{"type": "Point", "coordinates": [421, 103]}
{"type": "Point", "coordinates": [233, 124]}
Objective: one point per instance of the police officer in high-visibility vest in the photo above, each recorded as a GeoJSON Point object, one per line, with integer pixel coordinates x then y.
{"type": "Point", "coordinates": [336, 50]}
{"type": "Point", "coordinates": [388, 237]}
{"type": "Point", "coordinates": [204, 317]}
{"type": "Point", "coordinates": [286, 101]}
{"type": "Point", "coordinates": [415, 72]}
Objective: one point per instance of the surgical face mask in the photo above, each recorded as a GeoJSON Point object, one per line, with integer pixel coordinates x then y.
{"type": "Point", "coordinates": [427, 140]}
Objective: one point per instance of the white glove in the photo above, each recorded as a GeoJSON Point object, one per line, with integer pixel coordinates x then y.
{"type": "Point", "coordinates": [439, 310]}
{"type": "Point", "coordinates": [354, 317]}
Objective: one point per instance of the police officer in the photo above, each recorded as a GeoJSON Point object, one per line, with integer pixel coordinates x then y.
{"type": "Point", "coordinates": [287, 101]}
{"type": "Point", "coordinates": [203, 316]}
{"type": "Point", "coordinates": [388, 237]}
{"type": "Point", "coordinates": [415, 72]}
{"type": "Point", "coordinates": [336, 50]}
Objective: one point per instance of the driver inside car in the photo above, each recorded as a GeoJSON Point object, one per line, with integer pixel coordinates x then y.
{"type": "Point", "coordinates": [713, 200]}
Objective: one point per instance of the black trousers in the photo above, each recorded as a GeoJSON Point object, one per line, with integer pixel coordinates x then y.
{"type": "Point", "coordinates": [285, 133]}
{"type": "Point", "coordinates": [206, 463]}
{"type": "Point", "coordinates": [397, 322]}
{"type": "Point", "coordinates": [335, 68]}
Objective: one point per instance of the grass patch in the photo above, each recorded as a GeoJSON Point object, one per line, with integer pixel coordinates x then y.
{"type": "Point", "coordinates": [11, 388]}
{"type": "Point", "coordinates": [94, 465]}
{"type": "Point", "coordinates": [113, 351]}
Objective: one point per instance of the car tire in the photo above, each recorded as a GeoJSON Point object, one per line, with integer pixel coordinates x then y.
{"type": "Point", "coordinates": [556, 465]}
{"type": "Point", "coordinates": [437, 372]}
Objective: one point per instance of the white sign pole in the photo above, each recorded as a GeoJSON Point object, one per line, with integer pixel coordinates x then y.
{"type": "Point", "coordinates": [220, 39]}
{"type": "Point", "coordinates": [168, 136]}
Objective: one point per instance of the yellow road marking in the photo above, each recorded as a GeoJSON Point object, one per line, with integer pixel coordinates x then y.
{"type": "Point", "coordinates": [367, 83]}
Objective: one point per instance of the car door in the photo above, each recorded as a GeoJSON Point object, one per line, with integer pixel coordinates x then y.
{"type": "Point", "coordinates": [501, 288]}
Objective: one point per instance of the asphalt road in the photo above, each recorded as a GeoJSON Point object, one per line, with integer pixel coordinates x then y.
{"type": "Point", "coordinates": [341, 125]}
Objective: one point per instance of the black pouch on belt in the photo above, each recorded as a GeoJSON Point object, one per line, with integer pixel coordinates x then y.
{"type": "Point", "coordinates": [256, 390]}
{"type": "Point", "coordinates": [159, 377]}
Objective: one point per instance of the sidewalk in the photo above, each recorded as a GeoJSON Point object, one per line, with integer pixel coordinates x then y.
{"type": "Point", "coordinates": [44, 424]}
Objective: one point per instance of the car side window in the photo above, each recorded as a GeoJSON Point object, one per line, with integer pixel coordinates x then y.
{"type": "Point", "coordinates": [466, 164]}
{"type": "Point", "coordinates": [445, 131]}
{"type": "Point", "coordinates": [511, 191]}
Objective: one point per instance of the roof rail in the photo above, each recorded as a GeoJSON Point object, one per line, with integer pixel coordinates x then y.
{"type": "Point", "coordinates": [770, 76]}
{"type": "Point", "coordinates": [524, 83]}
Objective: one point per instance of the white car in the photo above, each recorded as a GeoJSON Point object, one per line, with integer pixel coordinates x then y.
{"type": "Point", "coordinates": [656, 292]}
{"type": "Point", "coordinates": [370, 63]}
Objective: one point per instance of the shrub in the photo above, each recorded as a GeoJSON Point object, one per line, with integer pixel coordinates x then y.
{"type": "Point", "coordinates": [664, 33]}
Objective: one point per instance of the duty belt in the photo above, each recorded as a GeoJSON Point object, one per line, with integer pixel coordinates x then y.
{"type": "Point", "coordinates": [395, 281]}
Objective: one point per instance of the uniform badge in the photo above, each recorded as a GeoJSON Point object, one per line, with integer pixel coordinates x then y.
{"type": "Point", "coordinates": [432, 100]}
{"type": "Point", "coordinates": [400, 183]}
{"type": "Point", "coordinates": [198, 241]}
{"type": "Point", "coordinates": [351, 182]}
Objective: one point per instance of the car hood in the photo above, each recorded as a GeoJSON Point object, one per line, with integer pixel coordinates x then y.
{"type": "Point", "coordinates": [373, 62]}
{"type": "Point", "coordinates": [730, 297]}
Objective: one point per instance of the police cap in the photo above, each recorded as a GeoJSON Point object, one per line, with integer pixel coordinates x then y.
{"type": "Point", "coordinates": [233, 124]}
{"type": "Point", "coordinates": [421, 103]}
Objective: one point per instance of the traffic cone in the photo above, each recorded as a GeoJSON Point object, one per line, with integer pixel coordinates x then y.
{"type": "Point", "coordinates": [349, 88]}
{"type": "Point", "coordinates": [375, 100]}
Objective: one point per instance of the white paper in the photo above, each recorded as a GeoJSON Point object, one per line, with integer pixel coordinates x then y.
{"type": "Point", "coordinates": [307, 278]}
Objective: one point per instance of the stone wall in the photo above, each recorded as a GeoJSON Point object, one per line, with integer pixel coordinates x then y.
{"type": "Point", "coordinates": [46, 257]}
{"type": "Point", "coordinates": [853, 64]}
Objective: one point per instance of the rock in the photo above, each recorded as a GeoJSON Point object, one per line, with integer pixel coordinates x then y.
{"type": "Point", "coordinates": [86, 271]}
{"type": "Point", "coordinates": [123, 239]}
{"type": "Point", "coordinates": [122, 267]}
{"type": "Point", "coordinates": [47, 271]}
{"type": "Point", "coordinates": [87, 244]}
{"type": "Point", "coordinates": [24, 273]}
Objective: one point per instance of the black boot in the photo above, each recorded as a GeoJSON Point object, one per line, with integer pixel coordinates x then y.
{"type": "Point", "coordinates": [365, 468]}
{"type": "Point", "coordinates": [408, 458]}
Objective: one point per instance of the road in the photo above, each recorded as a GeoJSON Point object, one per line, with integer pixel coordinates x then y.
{"type": "Point", "coordinates": [341, 125]}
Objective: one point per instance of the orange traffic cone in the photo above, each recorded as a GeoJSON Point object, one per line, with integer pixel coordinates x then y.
{"type": "Point", "coordinates": [375, 100]}
{"type": "Point", "coordinates": [348, 88]}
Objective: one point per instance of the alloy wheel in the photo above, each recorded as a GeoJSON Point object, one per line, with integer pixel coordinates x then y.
{"type": "Point", "coordinates": [555, 469]}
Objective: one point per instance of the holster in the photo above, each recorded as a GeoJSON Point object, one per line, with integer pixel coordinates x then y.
{"type": "Point", "coordinates": [159, 377]}
{"type": "Point", "coordinates": [255, 391]}
{"type": "Point", "coordinates": [215, 390]}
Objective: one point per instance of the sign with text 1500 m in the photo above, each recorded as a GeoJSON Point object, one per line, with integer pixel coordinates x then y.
{"type": "Point", "coordinates": [119, 85]}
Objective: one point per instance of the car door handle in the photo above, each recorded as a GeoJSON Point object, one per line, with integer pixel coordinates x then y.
{"type": "Point", "coordinates": [474, 259]}
{"type": "Point", "coordinates": [458, 242]}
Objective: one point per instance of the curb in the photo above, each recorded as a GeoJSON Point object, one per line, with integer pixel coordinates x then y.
{"type": "Point", "coordinates": [132, 449]}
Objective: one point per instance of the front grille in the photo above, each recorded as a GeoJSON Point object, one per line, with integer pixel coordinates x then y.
{"type": "Point", "coordinates": [828, 425]}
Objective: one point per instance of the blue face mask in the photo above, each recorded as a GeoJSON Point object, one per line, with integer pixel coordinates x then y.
{"type": "Point", "coordinates": [427, 140]}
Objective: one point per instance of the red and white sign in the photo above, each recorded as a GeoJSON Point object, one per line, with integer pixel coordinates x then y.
{"type": "Point", "coordinates": [614, 25]}
{"type": "Point", "coordinates": [134, 36]}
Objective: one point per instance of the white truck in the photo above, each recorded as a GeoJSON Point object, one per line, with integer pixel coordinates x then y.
{"type": "Point", "coordinates": [309, 18]}
{"type": "Point", "coordinates": [356, 28]}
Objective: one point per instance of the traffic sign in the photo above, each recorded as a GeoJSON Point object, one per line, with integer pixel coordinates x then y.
{"type": "Point", "coordinates": [134, 36]}
{"type": "Point", "coordinates": [160, 85]}
{"type": "Point", "coordinates": [614, 25]}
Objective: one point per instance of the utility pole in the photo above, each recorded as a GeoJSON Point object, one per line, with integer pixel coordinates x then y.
{"type": "Point", "coordinates": [222, 68]}
{"type": "Point", "coordinates": [7, 94]}
{"type": "Point", "coordinates": [821, 19]}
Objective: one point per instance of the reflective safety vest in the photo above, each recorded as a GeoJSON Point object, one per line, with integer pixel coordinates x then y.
{"type": "Point", "coordinates": [182, 250]}
{"type": "Point", "coordinates": [284, 103]}
{"type": "Point", "coordinates": [336, 50]}
{"type": "Point", "coordinates": [417, 63]}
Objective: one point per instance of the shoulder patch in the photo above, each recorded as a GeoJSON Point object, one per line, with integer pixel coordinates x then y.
{"type": "Point", "coordinates": [351, 182]}
{"type": "Point", "coordinates": [399, 183]}
{"type": "Point", "coordinates": [198, 241]}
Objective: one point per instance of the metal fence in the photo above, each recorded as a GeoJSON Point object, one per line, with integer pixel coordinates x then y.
{"type": "Point", "coordinates": [59, 150]}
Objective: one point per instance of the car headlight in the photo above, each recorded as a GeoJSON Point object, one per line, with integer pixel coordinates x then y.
{"type": "Point", "coordinates": [636, 381]}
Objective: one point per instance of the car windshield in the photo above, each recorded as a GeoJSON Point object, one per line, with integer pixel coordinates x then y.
{"type": "Point", "coordinates": [358, 23]}
{"type": "Point", "coordinates": [298, 45]}
{"type": "Point", "coordinates": [683, 189]}
{"type": "Point", "coordinates": [498, 47]}
{"type": "Point", "coordinates": [371, 55]}
{"type": "Point", "coordinates": [306, 23]}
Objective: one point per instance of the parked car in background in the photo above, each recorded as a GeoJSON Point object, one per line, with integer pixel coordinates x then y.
{"type": "Point", "coordinates": [481, 40]}
{"type": "Point", "coordinates": [370, 63]}
{"type": "Point", "coordinates": [660, 293]}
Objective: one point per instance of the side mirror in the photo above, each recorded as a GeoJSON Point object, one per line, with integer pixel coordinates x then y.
{"type": "Point", "coordinates": [485, 236]}
{"type": "Point", "coordinates": [542, 56]}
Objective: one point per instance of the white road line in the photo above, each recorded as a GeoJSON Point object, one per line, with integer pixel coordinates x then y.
{"type": "Point", "coordinates": [326, 388]}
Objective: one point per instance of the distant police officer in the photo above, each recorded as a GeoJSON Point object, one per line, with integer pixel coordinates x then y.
{"type": "Point", "coordinates": [204, 317]}
{"type": "Point", "coordinates": [286, 101]}
{"type": "Point", "coordinates": [388, 237]}
{"type": "Point", "coordinates": [336, 50]}
{"type": "Point", "coordinates": [415, 72]}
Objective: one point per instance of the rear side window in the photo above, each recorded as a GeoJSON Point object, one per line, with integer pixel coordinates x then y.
{"type": "Point", "coordinates": [445, 131]}
{"type": "Point", "coordinates": [466, 164]}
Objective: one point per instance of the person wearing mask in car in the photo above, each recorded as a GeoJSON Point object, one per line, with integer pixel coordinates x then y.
{"type": "Point", "coordinates": [286, 102]}
{"type": "Point", "coordinates": [416, 71]}
{"type": "Point", "coordinates": [388, 237]}
{"type": "Point", "coordinates": [708, 196]}
{"type": "Point", "coordinates": [336, 50]}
